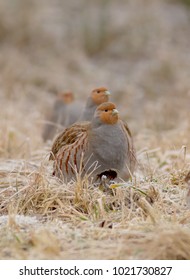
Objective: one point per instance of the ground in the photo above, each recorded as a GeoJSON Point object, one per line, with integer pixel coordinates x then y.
{"type": "Point", "coordinates": [139, 50]}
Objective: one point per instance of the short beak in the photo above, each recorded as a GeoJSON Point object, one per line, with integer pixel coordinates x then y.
{"type": "Point", "coordinates": [107, 92]}
{"type": "Point", "coordinates": [115, 112]}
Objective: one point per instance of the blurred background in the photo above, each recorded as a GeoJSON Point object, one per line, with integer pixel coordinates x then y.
{"type": "Point", "coordinates": [138, 49]}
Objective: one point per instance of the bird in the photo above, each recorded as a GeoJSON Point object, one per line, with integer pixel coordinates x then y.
{"type": "Point", "coordinates": [66, 111]}
{"type": "Point", "coordinates": [97, 97]}
{"type": "Point", "coordinates": [101, 147]}
{"type": "Point", "coordinates": [187, 181]}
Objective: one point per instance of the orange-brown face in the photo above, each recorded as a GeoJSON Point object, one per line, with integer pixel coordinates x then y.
{"type": "Point", "coordinates": [108, 113]}
{"type": "Point", "coordinates": [66, 97]}
{"type": "Point", "coordinates": [100, 95]}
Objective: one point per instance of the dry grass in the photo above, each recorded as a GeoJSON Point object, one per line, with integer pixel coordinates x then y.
{"type": "Point", "coordinates": [142, 56]}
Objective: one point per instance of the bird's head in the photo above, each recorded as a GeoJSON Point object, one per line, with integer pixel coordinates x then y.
{"type": "Point", "coordinates": [66, 97]}
{"type": "Point", "coordinates": [100, 95]}
{"type": "Point", "coordinates": [107, 113]}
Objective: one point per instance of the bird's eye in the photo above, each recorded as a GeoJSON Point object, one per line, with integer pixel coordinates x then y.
{"type": "Point", "coordinates": [106, 110]}
{"type": "Point", "coordinates": [98, 91]}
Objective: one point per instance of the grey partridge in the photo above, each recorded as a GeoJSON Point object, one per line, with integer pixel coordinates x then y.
{"type": "Point", "coordinates": [65, 112]}
{"type": "Point", "coordinates": [103, 146]}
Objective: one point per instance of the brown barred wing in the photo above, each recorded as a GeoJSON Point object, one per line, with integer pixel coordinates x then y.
{"type": "Point", "coordinates": [69, 160]}
{"type": "Point", "coordinates": [131, 150]}
{"type": "Point", "coordinates": [67, 137]}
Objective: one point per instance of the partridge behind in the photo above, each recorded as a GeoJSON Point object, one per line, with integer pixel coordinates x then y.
{"type": "Point", "coordinates": [97, 97]}
{"type": "Point", "coordinates": [65, 112]}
